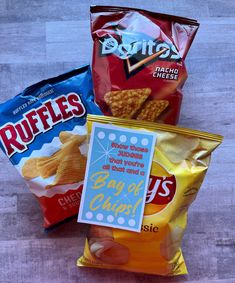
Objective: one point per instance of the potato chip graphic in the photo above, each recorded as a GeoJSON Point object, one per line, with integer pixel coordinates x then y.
{"type": "Point", "coordinates": [47, 166]}
{"type": "Point", "coordinates": [104, 248]}
{"type": "Point", "coordinates": [66, 137]}
{"type": "Point", "coordinates": [110, 252]}
{"type": "Point", "coordinates": [29, 169]}
{"type": "Point", "coordinates": [70, 170]}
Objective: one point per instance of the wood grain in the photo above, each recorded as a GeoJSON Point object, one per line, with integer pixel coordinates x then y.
{"type": "Point", "coordinates": [40, 39]}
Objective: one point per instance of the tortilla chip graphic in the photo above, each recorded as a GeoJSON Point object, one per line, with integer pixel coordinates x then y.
{"type": "Point", "coordinates": [126, 103]}
{"type": "Point", "coordinates": [152, 109]}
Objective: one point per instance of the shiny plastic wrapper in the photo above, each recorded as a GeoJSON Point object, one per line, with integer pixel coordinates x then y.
{"type": "Point", "coordinates": [138, 64]}
{"type": "Point", "coordinates": [43, 132]}
{"type": "Point", "coordinates": [181, 159]}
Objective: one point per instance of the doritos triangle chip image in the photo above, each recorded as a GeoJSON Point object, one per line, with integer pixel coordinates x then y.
{"type": "Point", "coordinates": [180, 161]}
{"type": "Point", "coordinates": [152, 109]}
{"type": "Point", "coordinates": [43, 132]}
{"type": "Point", "coordinates": [138, 52]}
{"type": "Point", "coordinates": [125, 103]}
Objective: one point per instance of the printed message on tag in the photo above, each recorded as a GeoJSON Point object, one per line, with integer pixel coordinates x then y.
{"type": "Point", "coordinates": [117, 176]}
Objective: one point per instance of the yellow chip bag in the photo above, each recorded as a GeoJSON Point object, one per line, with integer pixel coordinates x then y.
{"type": "Point", "coordinates": [181, 159]}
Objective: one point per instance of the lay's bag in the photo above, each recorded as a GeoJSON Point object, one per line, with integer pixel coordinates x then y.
{"type": "Point", "coordinates": [42, 131]}
{"type": "Point", "coordinates": [181, 159]}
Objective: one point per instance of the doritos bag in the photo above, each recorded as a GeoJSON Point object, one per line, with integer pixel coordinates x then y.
{"type": "Point", "coordinates": [42, 131]}
{"type": "Point", "coordinates": [138, 62]}
{"type": "Point", "coordinates": [181, 159]}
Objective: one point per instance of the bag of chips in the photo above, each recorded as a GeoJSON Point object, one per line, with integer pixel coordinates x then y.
{"type": "Point", "coordinates": [42, 131]}
{"type": "Point", "coordinates": [138, 62]}
{"type": "Point", "coordinates": [181, 159]}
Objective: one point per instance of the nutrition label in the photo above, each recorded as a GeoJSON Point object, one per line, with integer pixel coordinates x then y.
{"type": "Point", "coordinates": [117, 175]}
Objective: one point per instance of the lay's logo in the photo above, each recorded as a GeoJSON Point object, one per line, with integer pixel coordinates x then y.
{"type": "Point", "coordinates": [161, 190]}
{"type": "Point", "coordinates": [16, 137]}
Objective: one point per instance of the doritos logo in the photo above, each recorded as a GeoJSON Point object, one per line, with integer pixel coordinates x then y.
{"type": "Point", "coordinates": [137, 50]}
{"type": "Point", "coordinates": [16, 137]}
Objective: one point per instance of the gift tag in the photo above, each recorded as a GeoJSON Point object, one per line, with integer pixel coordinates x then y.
{"type": "Point", "coordinates": [117, 176]}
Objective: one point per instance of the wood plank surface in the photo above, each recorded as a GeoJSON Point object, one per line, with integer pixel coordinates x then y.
{"type": "Point", "coordinates": [40, 39]}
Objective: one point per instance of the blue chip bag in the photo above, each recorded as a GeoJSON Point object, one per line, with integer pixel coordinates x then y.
{"type": "Point", "coordinates": [42, 131]}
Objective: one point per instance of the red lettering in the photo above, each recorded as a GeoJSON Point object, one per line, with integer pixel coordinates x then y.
{"type": "Point", "coordinates": [42, 113]}
{"type": "Point", "coordinates": [63, 107]}
{"type": "Point", "coordinates": [8, 135]}
{"type": "Point", "coordinates": [75, 101]}
{"type": "Point", "coordinates": [16, 137]}
{"type": "Point", "coordinates": [55, 118]}
{"type": "Point", "coordinates": [24, 131]}
{"type": "Point", "coordinates": [32, 121]}
{"type": "Point", "coordinates": [161, 190]}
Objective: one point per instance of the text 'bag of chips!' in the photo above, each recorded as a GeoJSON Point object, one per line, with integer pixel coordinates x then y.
{"type": "Point", "coordinates": [42, 131]}
{"type": "Point", "coordinates": [180, 161]}
{"type": "Point", "coordinates": [138, 63]}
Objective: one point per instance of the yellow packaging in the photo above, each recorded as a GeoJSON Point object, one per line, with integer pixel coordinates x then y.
{"type": "Point", "coordinates": [181, 159]}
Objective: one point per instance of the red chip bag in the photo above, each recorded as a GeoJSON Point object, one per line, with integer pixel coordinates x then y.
{"type": "Point", "coordinates": [138, 62]}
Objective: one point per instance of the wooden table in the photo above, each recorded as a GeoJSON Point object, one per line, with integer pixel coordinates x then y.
{"type": "Point", "coordinates": [40, 39]}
